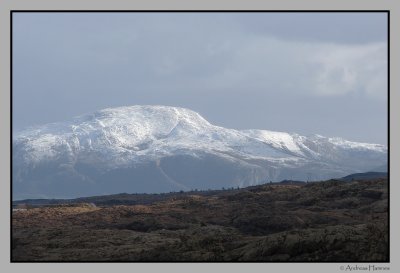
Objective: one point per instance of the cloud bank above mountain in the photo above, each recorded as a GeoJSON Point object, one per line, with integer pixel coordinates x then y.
{"type": "Point", "coordinates": [66, 64]}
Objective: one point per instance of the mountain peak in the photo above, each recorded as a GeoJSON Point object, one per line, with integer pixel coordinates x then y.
{"type": "Point", "coordinates": [145, 114]}
{"type": "Point", "coordinates": [146, 110]}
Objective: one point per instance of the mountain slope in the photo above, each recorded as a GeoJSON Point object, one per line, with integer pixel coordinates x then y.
{"type": "Point", "coordinates": [161, 148]}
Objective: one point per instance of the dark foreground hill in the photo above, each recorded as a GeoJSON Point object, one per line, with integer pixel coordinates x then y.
{"type": "Point", "coordinates": [324, 221]}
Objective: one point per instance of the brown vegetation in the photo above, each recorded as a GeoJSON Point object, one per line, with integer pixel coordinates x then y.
{"type": "Point", "coordinates": [324, 221]}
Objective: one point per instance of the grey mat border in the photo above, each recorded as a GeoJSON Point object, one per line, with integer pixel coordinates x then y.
{"type": "Point", "coordinates": [393, 6]}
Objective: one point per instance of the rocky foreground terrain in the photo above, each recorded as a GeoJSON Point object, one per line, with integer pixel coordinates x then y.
{"type": "Point", "coordinates": [322, 221]}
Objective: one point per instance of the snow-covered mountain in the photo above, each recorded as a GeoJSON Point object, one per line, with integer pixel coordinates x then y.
{"type": "Point", "coordinates": [161, 148]}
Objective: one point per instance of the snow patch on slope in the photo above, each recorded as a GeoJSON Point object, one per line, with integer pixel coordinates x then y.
{"type": "Point", "coordinates": [278, 140]}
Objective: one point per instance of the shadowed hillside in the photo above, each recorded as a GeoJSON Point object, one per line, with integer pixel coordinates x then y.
{"type": "Point", "coordinates": [324, 221]}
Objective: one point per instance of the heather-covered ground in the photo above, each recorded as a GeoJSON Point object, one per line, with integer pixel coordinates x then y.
{"type": "Point", "coordinates": [322, 221]}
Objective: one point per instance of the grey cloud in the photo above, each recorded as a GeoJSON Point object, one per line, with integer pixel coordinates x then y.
{"type": "Point", "coordinates": [331, 27]}
{"type": "Point", "coordinates": [257, 70]}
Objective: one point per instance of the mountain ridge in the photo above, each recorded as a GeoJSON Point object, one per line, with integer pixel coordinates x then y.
{"type": "Point", "coordinates": [164, 144]}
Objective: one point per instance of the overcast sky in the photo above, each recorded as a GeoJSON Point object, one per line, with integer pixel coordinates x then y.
{"type": "Point", "coordinates": [323, 73]}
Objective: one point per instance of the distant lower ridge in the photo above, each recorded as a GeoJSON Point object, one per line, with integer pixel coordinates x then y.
{"type": "Point", "coordinates": [365, 176]}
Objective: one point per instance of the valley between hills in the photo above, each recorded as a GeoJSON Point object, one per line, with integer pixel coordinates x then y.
{"type": "Point", "coordinates": [290, 221]}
